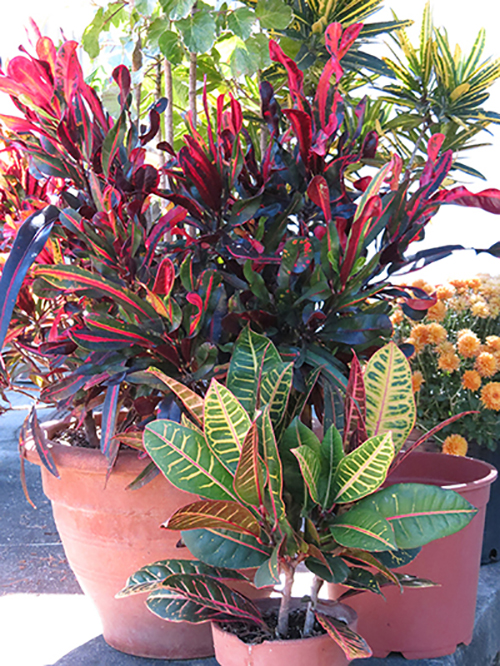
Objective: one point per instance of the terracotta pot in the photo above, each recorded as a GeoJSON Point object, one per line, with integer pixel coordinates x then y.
{"type": "Point", "coordinates": [317, 651]}
{"type": "Point", "coordinates": [431, 622]}
{"type": "Point", "coordinates": [109, 532]}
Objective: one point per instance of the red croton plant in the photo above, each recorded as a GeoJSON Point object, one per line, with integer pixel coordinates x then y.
{"type": "Point", "coordinates": [137, 273]}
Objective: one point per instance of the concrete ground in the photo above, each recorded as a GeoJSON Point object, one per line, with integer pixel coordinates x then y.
{"type": "Point", "coordinates": [46, 621]}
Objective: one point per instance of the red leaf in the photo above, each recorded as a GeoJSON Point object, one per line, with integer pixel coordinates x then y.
{"type": "Point", "coordinates": [332, 37]}
{"type": "Point", "coordinates": [372, 209]}
{"type": "Point", "coordinates": [302, 127]}
{"type": "Point", "coordinates": [122, 77]}
{"type": "Point", "coordinates": [295, 76]}
{"type": "Point", "coordinates": [46, 51]}
{"type": "Point", "coordinates": [165, 277]}
{"type": "Point", "coordinates": [319, 193]}
{"type": "Point", "coordinates": [355, 405]}
{"type": "Point", "coordinates": [202, 173]}
{"type": "Point", "coordinates": [434, 146]}
{"type": "Point", "coordinates": [348, 38]}
{"type": "Point", "coordinates": [196, 300]}
{"type": "Point", "coordinates": [68, 72]}
{"type": "Point", "coordinates": [488, 200]}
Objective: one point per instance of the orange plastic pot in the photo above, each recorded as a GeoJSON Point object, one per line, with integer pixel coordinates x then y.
{"type": "Point", "coordinates": [109, 532]}
{"type": "Point", "coordinates": [317, 650]}
{"type": "Point", "coordinates": [431, 622]}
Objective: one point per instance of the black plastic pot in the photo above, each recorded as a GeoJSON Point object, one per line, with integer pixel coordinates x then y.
{"type": "Point", "coordinates": [491, 541]}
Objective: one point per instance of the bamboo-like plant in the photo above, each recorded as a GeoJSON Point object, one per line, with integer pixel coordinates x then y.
{"type": "Point", "coordinates": [272, 494]}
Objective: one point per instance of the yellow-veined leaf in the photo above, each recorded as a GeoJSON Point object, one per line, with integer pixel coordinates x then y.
{"type": "Point", "coordinates": [216, 514]}
{"type": "Point", "coordinates": [191, 400]}
{"type": "Point", "coordinates": [249, 479]}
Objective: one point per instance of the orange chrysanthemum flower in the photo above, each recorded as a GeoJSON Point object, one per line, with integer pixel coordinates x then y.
{"type": "Point", "coordinates": [446, 347]}
{"type": "Point", "coordinates": [493, 343]}
{"type": "Point", "coordinates": [422, 284]}
{"type": "Point", "coordinates": [490, 396]}
{"type": "Point", "coordinates": [437, 333]}
{"type": "Point", "coordinates": [464, 331]}
{"type": "Point", "coordinates": [459, 285]}
{"type": "Point", "coordinates": [445, 291]}
{"type": "Point", "coordinates": [420, 334]}
{"type": "Point", "coordinates": [437, 312]}
{"type": "Point", "coordinates": [471, 380]}
{"type": "Point", "coordinates": [417, 379]}
{"type": "Point", "coordinates": [455, 445]}
{"type": "Point", "coordinates": [474, 283]}
{"type": "Point", "coordinates": [480, 309]}
{"type": "Point", "coordinates": [468, 344]}
{"type": "Point", "coordinates": [486, 364]}
{"type": "Point", "coordinates": [396, 317]}
{"type": "Point", "coordinates": [449, 362]}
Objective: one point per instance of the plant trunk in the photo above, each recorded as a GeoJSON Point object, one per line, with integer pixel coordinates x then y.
{"type": "Point", "coordinates": [136, 66]}
{"type": "Point", "coordinates": [192, 87]}
{"type": "Point", "coordinates": [90, 430]}
{"type": "Point", "coordinates": [284, 611]}
{"type": "Point", "coordinates": [311, 606]}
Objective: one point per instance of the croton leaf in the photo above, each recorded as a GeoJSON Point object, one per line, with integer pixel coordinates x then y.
{"type": "Point", "coordinates": [28, 244]}
{"type": "Point", "coordinates": [185, 458]}
{"type": "Point", "coordinates": [198, 598]}
{"type": "Point", "coordinates": [226, 424]}
{"type": "Point", "coordinates": [355, 405]}
{"type": "Point", "coordinates": [149, 577]}
{"type": "Point", "coordinates": [364, 470]}
{"type": "Point", "coordinates": [109, 445]}
{"type": "Point", "coordinates": [218, 514]}
{"type": "Point", "coordinates": [221, 548]}
{"type": "Point", "coordinates": [332, 570]}
{"type": "Point", "coordinates": [249, 478]}
{"type": "Point", "coordinates": [275, 387]}
{"type": "Point", "coordinates": [360, 528]}
{"type": "Point", "coordinates": [390, 405]}
{"type": "Point", "coordinates": [268, 574]}
{"type": "Point", "coordinates": [420, 513]}
{"type": "Point", "coordinates": [352, 644]}
{"type": "Point", "coordinates": [191, 400]}
{"type": "Point", "coordinates": [267, 441]}
{"type": "Point", "coordinates": [393, 559]}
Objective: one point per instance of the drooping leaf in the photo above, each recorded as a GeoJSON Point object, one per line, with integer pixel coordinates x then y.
{"type": "Point", "coordinates": [32, 426]}
{"type": "Point", "coordinates": [394, 559]}
{"type": "Point", "coordinates": [364, 470]}
{"type": "Point", "coordinates": [352, 644]}
{"type": "Point", "coordinates": [420, 513]}
{"type": "Point", "coordinates": [109, 445]}
{"type": "Point", "coordinates": [332, 570]}
{"type": "Point", "coordinates": [390, 405]}
{"type": "Point", "coordinates": [185, 458]}
{"type": "Point", "coordinates": [216, 514]}
{"type": "Point", "coordinates": [198, 598]}
{"type": "Point", "coordinates": [226, 549]}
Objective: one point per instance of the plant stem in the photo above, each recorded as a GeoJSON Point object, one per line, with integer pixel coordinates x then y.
{"type": "Point", "coordinates": [192, 87]}
{"type": "Point", "coordinates": [90, 430]}
{"type": "Point", "coordinates": [169, 112]}
{"type": "Point", "coordinates": [284, 611]}
{"type": "Point", "coordinates": [311, 606]}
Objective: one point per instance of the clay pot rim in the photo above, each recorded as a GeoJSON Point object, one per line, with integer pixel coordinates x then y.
{"type": "Point", "coordinates": [82, 458]}
{"type": "Point", "coordinates": [489, 476]}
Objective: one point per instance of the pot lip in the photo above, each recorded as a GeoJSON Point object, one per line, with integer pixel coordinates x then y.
{"type": "Point", "coordinates": [82, 458]}
{"type": "Point", "coordinates": [272, 602]}
{"type": "Point", "coordinates": [490, 472]}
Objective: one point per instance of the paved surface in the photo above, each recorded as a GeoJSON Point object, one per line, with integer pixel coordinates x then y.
{"type": "Point", "coordinates": [46, 621]}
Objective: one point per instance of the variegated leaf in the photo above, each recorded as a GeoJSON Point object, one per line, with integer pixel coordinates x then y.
{"type": "Point", "coordinates": [364, 470]}
{"type": "Point", "coordinates": [275, 390]}
{"type": "Point", "coordinates": [221, 548]}
{"type": "Point", "coordinates": [252, 357]}
{"type": "Point", "coordinates": [351, 643]}
{"type": "Point", "coordinates": [310, 466]}
{"type": "Point", "coordinates": [356, 555]}
{"type": "Point", "coordinates": [149, 577]}
{"type": "Point", "coordinates": [191, 400]}
{"type": "Point", "coordinates": [390, 404]}
{"type": "Point", "coordinates": [250, 478]}
{"type": "Point", "coordinates": [197, 598]}
{"type": "Point", "coordinates": [187, 461]}
{"type": "Point", "coordinates": [332, 570]}
{"type": "Point", "coordinates": [226, 424]}
{"type": "Point", "coordinates": [360, 528]}
{"type": "Point", "coordinates": [331, 454]}
{"type": "Point", "coordinates": [355, 405]}
{"type": "Point", "coordinates": [217, 514]}
{"type": "Point", "coordinates": [267, 441]}
{"type": "Point", "coordinates": [268, 574]}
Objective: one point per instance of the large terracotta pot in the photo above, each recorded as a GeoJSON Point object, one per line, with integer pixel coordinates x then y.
{"type": "Point", "coordinates": [109, 532]}
{"type": "Point", "coordinates": [317, 651]}
{"type": "Point", "coordinates": [431, 622]}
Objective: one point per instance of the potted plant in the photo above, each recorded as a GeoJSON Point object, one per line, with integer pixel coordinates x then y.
{"type": "Point", "coordinates": [281, 242]}
{"type": "Point", "coordinates": [273, 495]}
{"type": "Point", "coordinates": [456, 366]}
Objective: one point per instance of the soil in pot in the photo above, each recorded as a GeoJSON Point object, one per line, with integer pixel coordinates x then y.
{"type": "Point", "coordinates": [238, 643]}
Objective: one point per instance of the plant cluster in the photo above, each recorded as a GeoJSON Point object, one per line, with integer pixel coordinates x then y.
{"type": "Point", "coordinates": [456, 360]}
{"type": "Point", "coordinates": [273, 494]}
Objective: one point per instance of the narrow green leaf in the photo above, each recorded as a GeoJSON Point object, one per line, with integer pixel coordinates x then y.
{"type": "Point", "coordinates": [268, 574]}
{"type": "Point", "coordinates": [272, 459]}
{"type": "Point", "coordinates": [221, 548]}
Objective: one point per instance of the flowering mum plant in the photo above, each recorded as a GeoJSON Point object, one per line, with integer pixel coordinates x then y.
{"type": "Point", "coordinates": [456, 360]}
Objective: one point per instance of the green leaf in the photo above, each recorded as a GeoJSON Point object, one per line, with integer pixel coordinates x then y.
{"type": "Point", "coordinates": [334, 571]}
{"type": "Point", "coordinates": [273, 14]}
{"type": "Point", "coordinates": [185, 458]}
{"type": "Point", "coordinates": [253, 356]}
{"type": "Point", "coordinates": [364, 470]}
{"type": "Point", "coordinates": [198, 31]}
{"type": "Point", "coordinates": [258, 48]}
{"type": "Point", "coordinates": [360, 528]}
{"type": "Point", "coordinates": [351, 643]}
{"type": "Point", "coordinates": [268, 574]}
{"type": "Point", "coordinates": [310, 466]}
{"type": "Point", "coordinates": [112, 142]}
{"type": "Point", "coordinates": [361, 579]}
{"type": "Point", "coordinates": [178, 9]}
{"type": "Point", "coordinates": [226, 549]}
{"type": "Point", "coordinates": [226, 425]}
{"type": "Point", "coordinates": [216, 514]}
{"type": "Point", "coordinates": [197, 598]}
{"type": "Point", "coordinates": [267, 441]}
{"type": "Point", "coordinates": [240, 22]}
{"type": "Point", "coordinates": [393, 559]}
{"type": "Point", "coordinates": [331, 454]}
{"type": "Point", "coordinates": [390, 405]}
{"type": "Point", "coordinates": [275, 390]}
{"type": "Point", "coordinates": [420, 513]}
{"type": "Point", "coordinates": [149, 577]}
{"type": "Point", "coordinates": [171, 47]}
